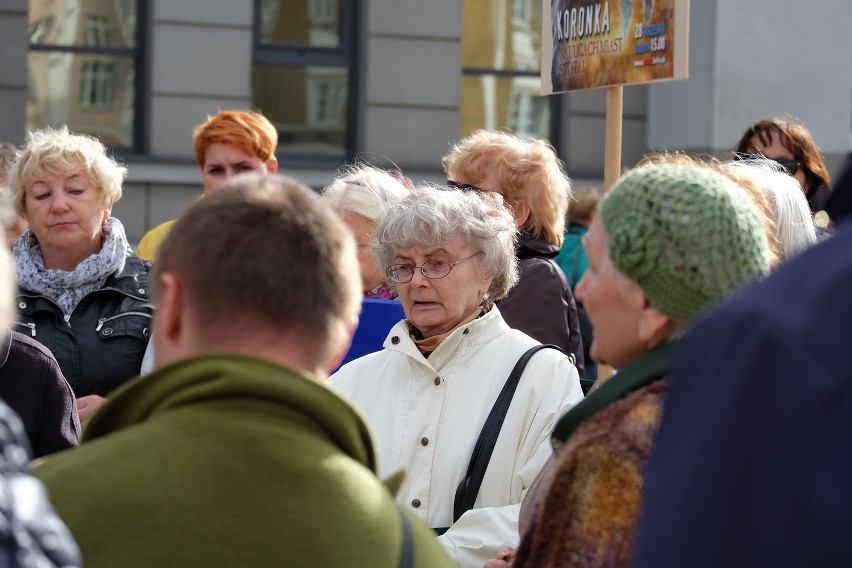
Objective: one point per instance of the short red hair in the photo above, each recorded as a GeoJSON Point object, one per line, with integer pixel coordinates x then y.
{"type": "Point", "coordinates": [249, 131]}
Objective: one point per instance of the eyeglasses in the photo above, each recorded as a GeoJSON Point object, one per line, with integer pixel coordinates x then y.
{"type": "Point", "coordinates": [431, 269]}
{"type": "Point", "coordinates": [464, 186]}
{"type": "Point", "coordinates": [790, 165]}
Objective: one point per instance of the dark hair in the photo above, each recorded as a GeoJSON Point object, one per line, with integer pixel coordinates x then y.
{"type": "Point", "coordinates": [265, 253]}
{"type": "Point", "coordinates": [796, 137]}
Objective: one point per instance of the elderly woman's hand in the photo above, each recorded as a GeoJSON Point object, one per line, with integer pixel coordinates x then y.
{"type": "Point", "coordinates": [504, 558]}
{"type": "Point", "coordinates": [87, 405]}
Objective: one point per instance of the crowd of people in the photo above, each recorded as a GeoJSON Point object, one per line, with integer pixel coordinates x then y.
{"type": "Point", "coordinates": [478, 433]}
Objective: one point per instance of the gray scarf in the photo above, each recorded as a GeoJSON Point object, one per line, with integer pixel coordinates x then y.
{"type": "Point", "coordinates": [66, 289]}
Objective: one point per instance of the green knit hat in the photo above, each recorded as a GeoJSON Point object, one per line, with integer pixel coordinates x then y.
{"type": "Point", "coordinates": [688, 236]}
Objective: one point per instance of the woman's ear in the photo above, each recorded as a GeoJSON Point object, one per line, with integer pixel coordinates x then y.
{"type": "Point", "coordinates": [654, 327]}
{"type": "Point", "coordinates": [521, 212]}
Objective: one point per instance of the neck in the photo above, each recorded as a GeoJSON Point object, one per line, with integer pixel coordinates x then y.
{"type": "Point", "coordinates": [67, 259]}
{"type": "Point", "coordinates": [285, 348]}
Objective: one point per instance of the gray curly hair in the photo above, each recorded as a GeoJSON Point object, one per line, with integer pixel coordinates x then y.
{"type": "Point", "coordinates": [431, 215]}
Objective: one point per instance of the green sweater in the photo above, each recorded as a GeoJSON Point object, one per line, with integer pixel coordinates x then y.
{"type": "Point", "coordinates": [229, 460]}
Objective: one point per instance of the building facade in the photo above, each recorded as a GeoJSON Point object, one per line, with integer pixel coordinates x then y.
{"type": "Point", "coordinates": [394, 82]}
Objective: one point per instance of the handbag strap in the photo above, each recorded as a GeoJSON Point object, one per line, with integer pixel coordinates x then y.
{"type": "Point", "coordinates": [468, 489]}
{"type": "Point", "coordinates": [406, 557]}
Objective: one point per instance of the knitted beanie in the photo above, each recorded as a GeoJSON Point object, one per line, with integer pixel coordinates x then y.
{"type": "Point", "coordinates": [688, 236]}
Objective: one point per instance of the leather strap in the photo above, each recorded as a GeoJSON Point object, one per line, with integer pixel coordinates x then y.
{"type": "Point", "coordinates": [468, 489]}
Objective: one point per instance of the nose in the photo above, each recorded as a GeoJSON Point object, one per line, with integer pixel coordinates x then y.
{"type": "Point", "coordinates": [580, 289]}
{"type": "Point", "coordinates": [418, 279]}
{"type": "Point", "coordinates": [59, 202]}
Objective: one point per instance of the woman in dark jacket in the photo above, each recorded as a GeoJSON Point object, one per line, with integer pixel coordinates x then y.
{"type": "Point", "coordinates": [33, 386]}
{"type": "Point", "coordinates": [533, 183]}
{"type": "Point", "coordinates": [84, 294]}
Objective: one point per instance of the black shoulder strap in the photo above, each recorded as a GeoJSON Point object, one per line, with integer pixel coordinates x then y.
{"type": "Point", "coordinates": [406, 557]}
{"type": "Point", "coordinates": [468, 489]}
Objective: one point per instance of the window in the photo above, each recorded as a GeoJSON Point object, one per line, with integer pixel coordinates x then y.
{"type": "Point", "coordinates": [302, 77]}
{"type": "Point", "coordinates": [97, 86]}
{"type": "Point", "coordinates": [501, 58]}
{"type": "Point", "coordinates": [82, 65]}
{"type": "Point", "coordinates": [97, 31]}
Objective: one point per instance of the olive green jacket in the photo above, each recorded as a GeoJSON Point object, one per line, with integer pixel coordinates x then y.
{"type": "Point", "coordinates": [229, 460]}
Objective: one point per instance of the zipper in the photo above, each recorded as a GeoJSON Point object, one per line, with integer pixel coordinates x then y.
{"type": "Point", "coordinates": [102, 321]}
{"type": "Point", "coordinates": [29, 325]}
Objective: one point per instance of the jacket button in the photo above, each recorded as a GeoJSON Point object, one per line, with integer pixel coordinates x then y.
{"type": "Point", "coordinates": [67, 317]}
{"type": "Point", "coordinates": [466, 331]}
{"type": "Point", "coordinates": [424, 441]}
{"type": "Point", "coordinates": [22, 305]}
{"type": "Point", "coordinates": [107, 331]}
{"type": "Point", "coordinates": [415, 503]}
{"type": "Point", "coordinates": [145, 333]}
{"type": "Point", "coordinates": [437, 381]}
{"type": "Point", "coordinates": [395, 340]}
{"type": "Point", "coordinates": [141, 290]}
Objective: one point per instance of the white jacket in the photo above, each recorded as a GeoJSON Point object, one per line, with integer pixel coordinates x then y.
{"type": "Point", "coordinates": [426, 415]}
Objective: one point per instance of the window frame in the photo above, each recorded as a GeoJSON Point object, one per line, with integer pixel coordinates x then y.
{"type": "Point", "coordinates": [345, 55]}
{"type": "Point", "coordinates": [557, 104]}
{"type": "Point", "coordinates": [138, 55]}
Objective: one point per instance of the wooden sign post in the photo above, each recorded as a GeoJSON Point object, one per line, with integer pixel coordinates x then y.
{"type": "Point", "coordinates": [588, 44]}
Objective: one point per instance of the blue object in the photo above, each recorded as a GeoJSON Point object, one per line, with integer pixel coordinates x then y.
{"type": "Point", "coordinates": [377, 319]}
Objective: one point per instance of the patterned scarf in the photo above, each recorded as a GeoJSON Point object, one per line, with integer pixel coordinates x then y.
{"type": "Point", "coordinates": [66, 289]}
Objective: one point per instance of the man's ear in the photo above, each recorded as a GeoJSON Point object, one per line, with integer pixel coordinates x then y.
{"type": "Point", "coordinates": [335, 360]}
{"type": "Point", "coordinates": [170, 305]}
{"type": "Point", "coordinates": [654, 327]}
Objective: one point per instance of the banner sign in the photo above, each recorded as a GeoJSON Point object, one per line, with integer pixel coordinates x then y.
{"type": "Point", "coordinates": [588, 44]}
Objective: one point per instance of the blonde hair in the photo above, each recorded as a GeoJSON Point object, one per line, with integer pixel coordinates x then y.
{"type": "Point", "coordinates": [527, 170]}
{"type": "Point", "coordinates": [60, 152]}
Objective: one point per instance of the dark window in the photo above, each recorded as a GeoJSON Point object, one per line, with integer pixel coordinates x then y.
{"type": "Point", "coordinates": [302, 77]}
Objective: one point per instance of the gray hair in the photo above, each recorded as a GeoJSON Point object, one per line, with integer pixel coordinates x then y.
{"type": "Point", "coordinates": [794, 226]}
{"type": "Point", "coordinates": [430, 215]}
{"type": "Point", "coordinates": [363, 189]}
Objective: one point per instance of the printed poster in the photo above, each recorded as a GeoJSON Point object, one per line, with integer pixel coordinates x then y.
{"type": "Point", "coordinates": [588, 44]}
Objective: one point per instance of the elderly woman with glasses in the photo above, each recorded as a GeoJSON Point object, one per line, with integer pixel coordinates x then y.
{"type": "Point", "coordinates": [451, 255]}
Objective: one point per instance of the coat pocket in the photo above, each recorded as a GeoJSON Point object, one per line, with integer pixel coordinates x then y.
{"type": "Point", "coordinates": [127, 324]}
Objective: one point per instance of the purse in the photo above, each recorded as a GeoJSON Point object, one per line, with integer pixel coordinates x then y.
{"type": "Point", "coordinates": [468, 489]}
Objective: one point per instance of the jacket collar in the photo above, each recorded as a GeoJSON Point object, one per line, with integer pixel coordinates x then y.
{"type": "Point", "coordinates": [643, 370]}
{"type": "Point", "coordinates": [272, 390]}
{"type": "Point", "coordinates": [132, 279]}
{"type": "Point", "coordinates": [472, 335]}
{"type": "Point", "coordinates": [533, 247]}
